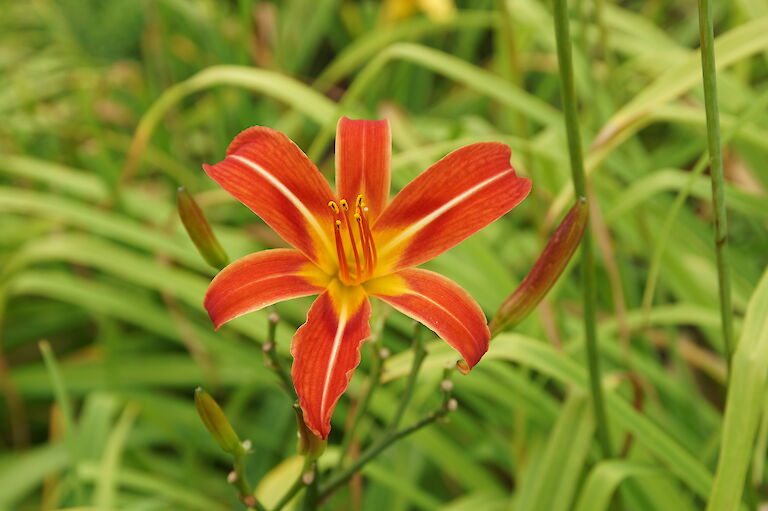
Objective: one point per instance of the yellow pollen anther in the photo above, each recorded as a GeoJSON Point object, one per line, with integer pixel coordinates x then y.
{"type": "Point", "coordinates": [334, 207]}
{"type": "Point", "coordinates": [344, 205]}
{"type": "Point", "coordinates": [359, 201]}
{"type": "Point", "coordinates": [338, 224]}
{"type": "Point", "coordinates": [357, 217]}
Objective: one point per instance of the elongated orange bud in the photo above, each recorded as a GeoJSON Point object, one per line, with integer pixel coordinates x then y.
{"type": "Point", "coordinates": [545, 272]}
{"type": "Point", "coordinates": [309, 445]}
{"type": "Point", "coordinates": [199, 230]}
{"type": "Point", "coordinates": [216, 422]}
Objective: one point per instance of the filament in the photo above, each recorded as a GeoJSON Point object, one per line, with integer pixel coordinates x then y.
{"type": "Point", "coordinates": [363, 268]}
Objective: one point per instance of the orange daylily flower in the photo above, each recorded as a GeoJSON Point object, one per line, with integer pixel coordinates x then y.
{"type": "Point", "coordinates": [355, 244]}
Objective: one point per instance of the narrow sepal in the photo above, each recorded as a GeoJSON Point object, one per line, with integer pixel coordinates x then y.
{"type": "Point", "coordinates": [326, 351]}
{"type": "Point", "coordinates": [440, 304]}
{"type": "Point", "coordinates": [258, 280]}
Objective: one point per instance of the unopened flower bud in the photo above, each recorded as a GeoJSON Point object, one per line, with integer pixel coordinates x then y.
{"type": "Point", "coordinates": [452, 405]}
{"type": "Point", "coordinates": [199, 230]}
{"type": "Point", "coordinates": [216, 422]}
{"type": "Point", "coordinates": [446, 385]}
{"type": "Point", "coordinates": [545, 272]}
{"type": "Point", "coordinates": [309, 444]}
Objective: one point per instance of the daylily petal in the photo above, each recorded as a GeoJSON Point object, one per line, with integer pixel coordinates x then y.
{"type": "Point", "coordinates": [363, 150]}
{"type": "Point", "coordinates": [440, 304]}
{"type": "Point", "coordinates": [326, 351]}
{"type": "Point", "coordinates": [268, 173]}
{"type": "Point", "coordinates": [453, 199]}
{"type": "Point", "coordinates": [257, 280]}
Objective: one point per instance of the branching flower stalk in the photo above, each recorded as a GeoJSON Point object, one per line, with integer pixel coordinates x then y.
{"type": "Point", "coordinates": [564, 57]}
{"type": "Point", "coordinates": [273, 359]}
{"type": "Point", "coordinates": [393, 435]}
{"type": "Point", "coordinates": [378, 356]}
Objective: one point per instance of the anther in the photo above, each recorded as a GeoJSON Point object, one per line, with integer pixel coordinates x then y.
{"type": "Point", "coordinates": [344, 204]}
{"type": "Point", "coordinates": [334, 207]}
{"type": "Point", "coordinates": [359, 201]}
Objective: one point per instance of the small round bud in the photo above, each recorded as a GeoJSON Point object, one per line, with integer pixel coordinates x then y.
{"type": "Point", "coordinates": [268, 346]}
{"type": "Point", "coordinates": [452, 405]}
{"type": "Point", "coordinates": [247, 445]}
{"type": "Point", "coordinates": [308, 478]}
{"type": "Point", "coordinates": [249, 501]}
{"type": "Point", "coordinates": [384, 353]}
{"type": "Point", "coordinates": [232, 477]}
{"type": "Point", "coordinates": [446, 385]}
{"type": "Point", "coordinates": [273, 317]}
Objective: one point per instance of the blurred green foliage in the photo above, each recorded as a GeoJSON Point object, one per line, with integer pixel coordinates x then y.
{"type": "Point", "coordinates": [108, 107]}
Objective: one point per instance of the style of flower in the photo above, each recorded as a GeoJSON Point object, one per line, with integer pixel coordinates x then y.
{"type": "Point", "coordinates": [355, 244]}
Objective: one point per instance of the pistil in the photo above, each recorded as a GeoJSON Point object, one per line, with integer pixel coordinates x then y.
{"type": "Point", "coordinates": [363, 269]}
{"type": "Point", "coordinates": [343, 268]}
{"type": "Point", "coordinates": [352, 241]}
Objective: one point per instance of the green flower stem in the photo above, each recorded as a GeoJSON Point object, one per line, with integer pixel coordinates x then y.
{"type": "Point", "coordinates": [273, 360]}
{"type": "Point", "coordinates": [373, 383]}
{"type": "Point", "coordinates": [312, 498]}
{"type": "Point", "coordinates": [241, 483]}
{"type": "Point", "coordinates": [562, 35]}
{"type": "Point", "coordinates": [419, 353]}
{"type": "Point", "coordinates": [392, 434]}
{"type": "Point", "coordinates": [336, 481]}
{"type": "Point", "coordinates": [708, 70]}
{"type": "Point", "coordinates": [297, 486]}
{"type": "Point", "coordinates": [750, 113]}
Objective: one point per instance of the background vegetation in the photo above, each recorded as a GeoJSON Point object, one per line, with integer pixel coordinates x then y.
{"type": "Point", "coordinates": [107, 107]}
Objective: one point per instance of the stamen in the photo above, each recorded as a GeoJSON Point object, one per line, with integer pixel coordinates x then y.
{"type": "Point", "coordinates": [366, 245]}
{"type": "Point", "coordinates": [363, 269]}
{"type": "Point", "coordinates": [352, 241]}
{"type": "Point", "coordinates": [343, 268]}
{"type": "Point", "coordinates": [369, 237]}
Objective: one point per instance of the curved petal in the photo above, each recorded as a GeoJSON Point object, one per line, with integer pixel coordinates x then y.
{"type": "Point", "coordinates": [270, 174]}
{"type": "Point", "coordinates": [257, 280]}
{"type": "Point", "coordinates": [326, 351]}
{"type": "Point", "coordinates": [363, 150]}
{"type": "Point", "coordinates": [453, 199]}
{"type": "Point", "coordinates": [440, 304]}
